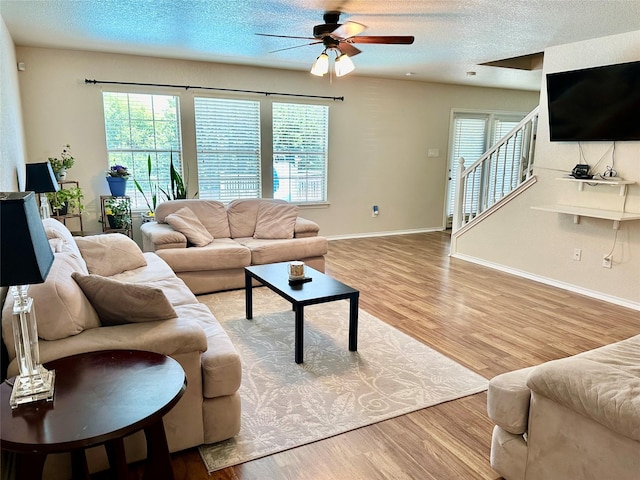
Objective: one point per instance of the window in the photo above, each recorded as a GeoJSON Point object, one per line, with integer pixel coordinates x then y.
{"type": "Point", "coordinates": [138, 126]}
{"type": "Point", "coordinates": [473, 134]}
{"type": "Point", "coordinates": [228, 148]}
{"type": "Point", "coordinates": [300, 145]}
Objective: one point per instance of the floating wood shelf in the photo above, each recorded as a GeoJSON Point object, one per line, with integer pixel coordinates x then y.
{"type": "Point", "coordinates": [614, 182]}
{"type": "Point", "coordinates": [578, 212]}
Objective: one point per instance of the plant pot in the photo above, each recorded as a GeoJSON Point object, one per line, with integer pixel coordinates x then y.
{"type": "Point", "coordinates": [61, 174]}
{"type": "Point", "coordinates": [117, 186]}
{"type": "Point", "coordinates": [62, 211]}
{"type": "Point", "coordinates": [148, 217]}
{"type": "Point", "coordinates": [115, 222]}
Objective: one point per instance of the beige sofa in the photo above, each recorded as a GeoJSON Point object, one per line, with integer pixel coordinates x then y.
{"type": "Point", "coordinates": [74, 307]}
{"type": "Point", "coordinates": [245, 232]}
{"type": "Point", "coordinates": [577, 418]}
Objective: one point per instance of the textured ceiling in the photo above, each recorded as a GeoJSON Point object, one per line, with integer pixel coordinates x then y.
{"type": "Point", "coordinates": [452, 37]}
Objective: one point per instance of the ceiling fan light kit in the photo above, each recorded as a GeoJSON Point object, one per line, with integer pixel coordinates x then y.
{"type": "Point", "coordinates": [340, 39]}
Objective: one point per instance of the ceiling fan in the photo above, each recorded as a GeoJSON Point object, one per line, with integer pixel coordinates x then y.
{"type": "Point", "coordinates": [339, 38]}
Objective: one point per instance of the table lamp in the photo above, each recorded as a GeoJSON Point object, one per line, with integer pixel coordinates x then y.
{"type": "Point", "coordinates": [25, 258]}
{"type": "Point", "coordinates": [41, 179]}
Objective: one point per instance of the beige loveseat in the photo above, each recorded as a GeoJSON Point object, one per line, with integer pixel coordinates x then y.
{"type": "Point", "coordinates": [229, 238]}
{"type": "Point", "coordinates": [81, 309]}
{"type": "Point", "coordinates": [577, 418]}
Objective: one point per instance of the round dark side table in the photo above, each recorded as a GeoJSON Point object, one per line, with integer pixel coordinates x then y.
{"type": "Point", "coordinates": [99, 398]}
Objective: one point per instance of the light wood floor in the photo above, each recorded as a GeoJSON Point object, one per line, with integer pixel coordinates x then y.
{"type": "Point", "coordinates": [489, 321]}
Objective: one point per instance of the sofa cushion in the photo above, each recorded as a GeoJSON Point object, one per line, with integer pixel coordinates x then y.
{"type": "Point", "coordinates": [61, 308]}
{"type": "Point", "coordinates": [119, 302]}
{"type": "Point", "coordinates": [187, 223]}
{"type": "Point", "coordinates": [272, 251]}
{"type": "Point", "coordinates": [110, 254]}
{"type": "Point", "coordinates": [159, 275]}
{"type": "Point", "coordinates": [275, 220]}
{"type": "Point", "coordinates": [602, 384]}
{"type": "Point", "coordinates": [61, 235]}
{"type": "Point", "coordinates": [212, 214]}
{"type": "Point", "coordinates": [243, 215]}
{"type": "Point", "coordinates": [221, 254]}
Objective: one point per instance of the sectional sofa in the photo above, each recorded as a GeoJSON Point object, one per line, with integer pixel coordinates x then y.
{"type": "Point", "coordinates": [208, 244]}
{"type": "Point", "coordinates": [577, 418]}
{"type": "Point", "coordinates": [103, 293]}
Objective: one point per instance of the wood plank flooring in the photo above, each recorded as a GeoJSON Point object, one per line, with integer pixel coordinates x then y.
{"type": "Point", "coordinates": [489, 321]}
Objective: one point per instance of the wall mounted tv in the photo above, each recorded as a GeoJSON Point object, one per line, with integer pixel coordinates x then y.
{"type": "Point", "coordinates": [595, 104]}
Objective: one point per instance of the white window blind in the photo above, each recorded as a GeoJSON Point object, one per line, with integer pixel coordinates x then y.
{"type": "Point", "coordinates": [300, 151]}
{"type": "Point", "coordinates": [473, 134]}
{"type": "Point", "coordinates": [138, 126]}
{"type": "Point", "coordinates": [228, 148]}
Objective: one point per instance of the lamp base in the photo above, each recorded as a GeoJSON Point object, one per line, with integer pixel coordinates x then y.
{"type": "Point", "coordinates": [33, 388]}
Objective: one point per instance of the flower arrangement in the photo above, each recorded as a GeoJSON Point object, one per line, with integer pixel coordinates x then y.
{"type": "Point", "coordinates": [65, 161]}
{"type": "Point", "coordinates": [118, 171]}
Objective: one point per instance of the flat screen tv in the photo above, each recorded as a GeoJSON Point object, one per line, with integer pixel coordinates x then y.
{"type": "Point", "coordinates": [595, 104]}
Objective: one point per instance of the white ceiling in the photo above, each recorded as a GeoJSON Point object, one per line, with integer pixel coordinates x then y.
{"type": "Point", "coordinates": [452, 37]}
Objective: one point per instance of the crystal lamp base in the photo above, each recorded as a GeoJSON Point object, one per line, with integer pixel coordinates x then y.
{"type": "Point", "coordinates": [33, 388]}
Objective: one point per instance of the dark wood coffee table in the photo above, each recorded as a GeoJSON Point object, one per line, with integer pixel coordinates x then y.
{"type": "Point", "coordinates": [100, 397]}
{"type": "Point", "coordinates": [321, 289]}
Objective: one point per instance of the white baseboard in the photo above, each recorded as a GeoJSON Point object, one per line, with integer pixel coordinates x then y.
{"type": "Point", "coordinates": [385, 234]}
{"type": "Point", "coordinates": [549, 281]}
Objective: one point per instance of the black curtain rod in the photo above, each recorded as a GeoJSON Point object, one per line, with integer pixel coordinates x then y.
{"type": "Point", "coordinates": [187, 87]}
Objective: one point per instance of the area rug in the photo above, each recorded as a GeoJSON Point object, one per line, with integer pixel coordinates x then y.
{"type": "Point", "coordinates": [286, 405]}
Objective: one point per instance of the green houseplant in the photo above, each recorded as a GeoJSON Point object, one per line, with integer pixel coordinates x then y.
{"type": "Point", "coordinates": [117, 211]}
{"type": "Point", "coordinates": [62, 164]}
{"type": "Point", "coordinates": [66, 201]}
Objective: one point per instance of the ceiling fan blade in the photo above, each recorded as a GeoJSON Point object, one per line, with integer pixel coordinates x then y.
{"type": "Point", "coordinates": [348, 49]}
{"type": "Point", "coordinates": [297, 46]}
{"type": "Point", "coordinates": [348, 29]}
{"type": "Point", "coordinates": [284, 36]}
{"type": "Point", "coordinates": [399, 40]}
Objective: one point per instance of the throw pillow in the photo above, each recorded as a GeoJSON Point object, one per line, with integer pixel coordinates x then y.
{"type": "Point", "coordinates": [119, 302]}
{"type": "Point", "coordinates": [186, 222]}
{"type": "Point", "coordinates": [276, 220]}
{"type": "Point", "coordinates": [62, 309]}
{"type": "Point", "coordinates": [110, 254]}
{"type": "Point", "coordinates": [57, 230]}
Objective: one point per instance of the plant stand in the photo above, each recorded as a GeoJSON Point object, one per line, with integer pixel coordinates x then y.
{"type": "Point", "coordinates": [63, 217]}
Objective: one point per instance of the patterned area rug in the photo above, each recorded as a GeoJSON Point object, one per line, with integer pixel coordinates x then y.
{"type": "Point", "coordinates": [285, 405]}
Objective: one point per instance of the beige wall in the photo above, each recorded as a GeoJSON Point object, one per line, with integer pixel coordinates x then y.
{"type": "Point", "coordinates": [12, 149]}
{"type": "Point", "coordinates": [541, 244]}
{"type": "Point", "coordinates": [379, 135]}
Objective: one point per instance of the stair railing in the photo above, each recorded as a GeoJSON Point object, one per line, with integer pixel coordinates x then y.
{"type": "Point", "coordinates": [499, 171]}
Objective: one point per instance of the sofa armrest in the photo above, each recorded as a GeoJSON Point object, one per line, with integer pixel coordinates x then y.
{"type": "Point", "coordinates": [168, 337]}
{"type": "Point", "coordinates": [157, 236]}
{"type": "Point", "coordinates": [305, 228]}
{"type": "Point", "coordinates": [508, 399]}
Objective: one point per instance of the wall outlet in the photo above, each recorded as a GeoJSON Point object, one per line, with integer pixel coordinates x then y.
{"type": "Point", "coordinates": [577, 254]}
{"type": "Point", "coordinates": [606, 261]}
{"type": "Point", "coordinates": [374, 211]}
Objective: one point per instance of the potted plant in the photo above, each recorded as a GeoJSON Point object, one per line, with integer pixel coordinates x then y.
{"type": "Point", "coordinates": [66, 201]}
{"type": "Point", "coordinates": [153, 194]}
{"type": "Point", "coordinates": [117, 177]}
{"type": "Point", "coordinates": [118, 212]}
{"type": "Point", "coordinates": [62, 164]}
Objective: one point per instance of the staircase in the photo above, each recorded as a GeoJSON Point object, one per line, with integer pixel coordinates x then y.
{"type": "Point", "coordinates": [502, 173]}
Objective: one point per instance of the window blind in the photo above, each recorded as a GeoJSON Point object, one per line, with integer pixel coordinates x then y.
{"type": "Point", "coordinates": [228, 148]}
{"type": "Point", "coordinates": [300, 152]}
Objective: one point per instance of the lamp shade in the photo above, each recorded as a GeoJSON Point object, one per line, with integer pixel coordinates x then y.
{"type": "Point", "coordinates": [25, 253]}
{"type": "Point", "coordinates": [343, 65]}
{"type": "Point", "coordinates": [321, 65]}
{"type": "Point", "coordinates": [40, 178]}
